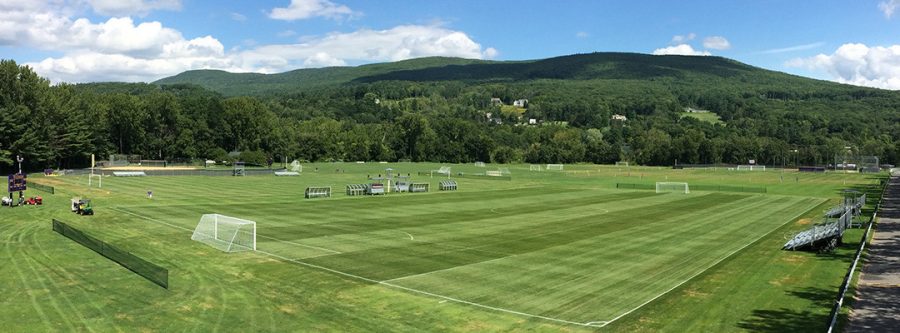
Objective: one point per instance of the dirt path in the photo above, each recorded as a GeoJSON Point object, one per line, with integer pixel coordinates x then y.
{"type": "Point", "coordinates": [877, 304]}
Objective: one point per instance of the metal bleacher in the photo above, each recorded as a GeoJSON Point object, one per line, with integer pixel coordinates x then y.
{"type": "Point", "coordinates": [819, 234]}
{"type": "Point", "coordinates": [129, 173]}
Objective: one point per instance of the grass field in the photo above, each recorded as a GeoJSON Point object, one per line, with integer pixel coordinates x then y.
{"type": "Point", "coordinates": [547, 251]}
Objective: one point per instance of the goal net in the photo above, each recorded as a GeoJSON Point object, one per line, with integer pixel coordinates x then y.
{"type": "Point", "coordinates": [662, 187]}
{"type": "Point", "coordinates": [480, 164]}
{"type": "Point", "coordinates": [621, 163]}
{"type": "Point", "coordinates": [534, 167]}
{"type": "Point", "coordinates": [557, 167]}
{"type": "Point", "coordinates": [296, 167]}
{"type": "Point", "coordinates": [225, 233]}
{"type": "Point", "coordinates": [751, 168]}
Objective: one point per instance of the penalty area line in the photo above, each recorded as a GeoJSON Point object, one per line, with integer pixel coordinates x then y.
{"type": "Point", "coordinates": [708, 267]}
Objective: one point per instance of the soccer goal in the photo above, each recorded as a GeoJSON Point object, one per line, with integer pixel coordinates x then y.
{"type": "Point", "coordinates": [662, 187]}
{"type": "Point", "coordinates": [751, 168]}
{"type": "Point", "coordinates": [225, 233]}
{"type": "Point", "coordinates": [534, 167]}
{"type": "Point", "coordinates": [296, 167]}
{"type": "Point", "coordinates": [622, 163]}
{"type": "Point", "coordinates": [557, 167]}
{"type": "Point", "coordinates": [479, 164]}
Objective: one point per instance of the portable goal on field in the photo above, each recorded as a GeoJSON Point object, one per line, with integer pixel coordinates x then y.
{"type": "Point", "coordinates": [225, 233]}
{"type": "Point", "coordinates": [622, 163]}
{"type": "Point", "coordinates": [751, 168]}
{"type": "Point", "coordinates": [534, 167]}
{"type": "Point", "coordinates": [479, 164]}
{"type": "Point", "coordinates": [662, 187]}
{"type": "Point", "coordinates": [296, 167]}
{"type": "Point", "coordinates": [555, 167]}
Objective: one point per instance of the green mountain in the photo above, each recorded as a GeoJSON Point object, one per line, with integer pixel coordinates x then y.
{"type": "Point", "coordinates": [594, 66]}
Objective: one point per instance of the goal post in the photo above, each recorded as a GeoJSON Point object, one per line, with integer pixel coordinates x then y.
{"type": "Point", "coordinates": [557, 167]}
{"type": "Point", "coordinates": [226, 233]}
{"type": "Point", "coordinates": [534, 167]}
{"type": "Point", "coordinates": [662, 187]}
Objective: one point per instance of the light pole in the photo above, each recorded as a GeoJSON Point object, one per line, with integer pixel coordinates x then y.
{"type": "Point", "coordinates": [20, 159]}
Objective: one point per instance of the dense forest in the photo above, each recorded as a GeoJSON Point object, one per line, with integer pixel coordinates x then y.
{"type": "Point", "coordinates": [599, 108]}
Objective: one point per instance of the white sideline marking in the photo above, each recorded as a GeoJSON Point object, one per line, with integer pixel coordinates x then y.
{"type": "Point", "coordinates": [707, 268]}
{"type": "Point", "coordinates": [303, 245]}
{"type": "Point", "coordinates": [385, 283]}
{"type": "Point", "coordinates": [445, 269]}
{"type": "Point", "coordinates": [257, 235]}
{"type": "Point", "coordinates": [408, 234]}
{"type": "Point", "coordinates": [488, 306]}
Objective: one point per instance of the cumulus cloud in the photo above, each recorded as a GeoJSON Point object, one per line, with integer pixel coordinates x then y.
{"type": "Point", "coordinates": [888, 7]}
{"type": "Point", "coordinates": [681, 39]}
{"type": "Point", "coordinates": [305, 9]}
{"type": "Point", "coordinates": [132, 7]}
{"type": "Point", "coordinates": [398, 43]}
{"type": "Point", "coordinates": [858, 64]}
{"type": "Point", "coordinates": [122, 49]}
{"type": "Point", "coordinates": [716, 43]}
{"type": "Point", "coordinates": [680, 49]}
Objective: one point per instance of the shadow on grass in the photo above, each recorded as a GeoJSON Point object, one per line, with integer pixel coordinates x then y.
{"type": "Point", "coordinates": [789, 320]}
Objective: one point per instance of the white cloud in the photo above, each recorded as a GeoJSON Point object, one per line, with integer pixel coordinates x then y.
{"type": "Point", "coordinates": [398, 43]}
{"type": "Point", "coordinates": [795, 48]}
{"type": "Point", "coordinates": [132, 7]}
{"type": "Point", "coordinates": [858, 64]}
{"type": "Point", "coordinates": [680, 49]}
{"type": "Point", "coordinates": [121, 49]}
{"type": "Point", "coordinates": [238, 17]}
{"type": "Point", "coordinates": [681, 39]}
{"type": "Point", "coordinates": [582, 34]}
{"type": "Point", "coordinates": [304, 9]}
{"type": "Point", "coordinates": [888, 7]}
{"type": "Point", "coordinates": [716, 43]}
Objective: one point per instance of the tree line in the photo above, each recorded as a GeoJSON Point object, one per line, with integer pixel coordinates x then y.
{"type": "Point", "coordinates": [61, 125]}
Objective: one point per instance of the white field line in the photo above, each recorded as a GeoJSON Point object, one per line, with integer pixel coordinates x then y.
{"type": "Point", "coordinates": [707, 268]}
{"type": "Point", "coordinates": [592, 323]}
{"type": "Point", "coordinates": [385, 283]}
{"type": "Point", "coordinates": [445, 269]}
{"type": "Point", "coordinates": [257, 235]}
{"type": "Point", "coordinates": [409, 234]}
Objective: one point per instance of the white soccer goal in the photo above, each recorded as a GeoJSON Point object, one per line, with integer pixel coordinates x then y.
{"type": "Point", "coordinates": [479, 164]}
{"type": "Point", "coordinates": [504, 171]}
{"type": "Point", "coordinates": [296, 167]}
{"type": "Point", "coordinates": [228, 234]}
{"type": "Point", "coordinates": [672, 187]}
{"type": "Point", "coordinates": [557, 167]}
{"type": "Point", "coordinates": [534, 167]}
{"type": "Point", "coordinates": [751, 168]}
{"type": "Point", "coordinates": [621, 163]}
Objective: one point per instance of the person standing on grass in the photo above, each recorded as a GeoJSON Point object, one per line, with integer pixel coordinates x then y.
{"type": "Point", "coordinates": [149, 194]}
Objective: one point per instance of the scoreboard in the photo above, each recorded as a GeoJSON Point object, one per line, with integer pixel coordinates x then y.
{"type": "Point", "coordinates": [17, 182]}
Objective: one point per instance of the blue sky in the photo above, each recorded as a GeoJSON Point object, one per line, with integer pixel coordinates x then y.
{"type": "Point", "coordinates": [855, 42]}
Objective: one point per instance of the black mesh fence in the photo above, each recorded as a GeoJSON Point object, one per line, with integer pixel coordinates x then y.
{"type": "Point", "coordinates": [146, 269]}
{"type": "Point", "coordinates": [41, 187]}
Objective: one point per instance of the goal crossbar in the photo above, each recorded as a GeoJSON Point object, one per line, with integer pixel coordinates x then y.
{"type": "Point", "coordinates": [226, 233]}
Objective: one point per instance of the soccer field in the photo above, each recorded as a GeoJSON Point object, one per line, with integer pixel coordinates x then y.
{"type": "Point", "coordinates": [557, 249]}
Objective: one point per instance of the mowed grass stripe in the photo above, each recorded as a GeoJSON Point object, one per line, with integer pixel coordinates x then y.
{"type": "Point", "coordinates": [397, 261]}
{"type": "Point", "coordinates": [634, 265]}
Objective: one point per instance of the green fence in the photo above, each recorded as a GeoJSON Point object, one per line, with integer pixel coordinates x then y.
{"type": "Point", "coordinates": [134, 263]}
{"type": "Point", "coordinates": [39, 187]}
{"type": "Point", "coordinates": [699, 187]}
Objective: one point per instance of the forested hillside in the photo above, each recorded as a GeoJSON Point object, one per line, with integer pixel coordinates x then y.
{"type": "Point", "coordinates": [456, 110]}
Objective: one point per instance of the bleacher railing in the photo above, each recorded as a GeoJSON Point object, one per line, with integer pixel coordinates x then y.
{"type": "Point", "coordinates": [836, 309]}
